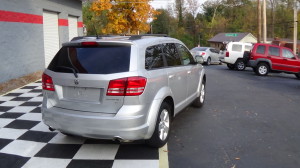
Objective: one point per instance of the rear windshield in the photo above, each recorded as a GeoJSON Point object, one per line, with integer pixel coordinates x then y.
{"type": "Point", "coordinates": [92, 60]}
{"type": "Point", "coordinates": [199, 49]}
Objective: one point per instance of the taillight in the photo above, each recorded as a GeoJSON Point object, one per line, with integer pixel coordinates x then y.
{"type": "Point", "coordinates": [89, 43]}
{"type": "Point", "coordinates": [131, 86]}
{"type": "Point", "coordinates": [203, 53]}
{"type": "Point", "coordinates": [47, 83]}
{"type": "Point", "coordinates": [227, 54]}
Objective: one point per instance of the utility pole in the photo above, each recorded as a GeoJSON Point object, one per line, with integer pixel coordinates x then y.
{"type": "Point", "coordinates": [295, 27]}
{"type": "Point", "coordinates": [258, 21]}
{"type": "Point", "coordinates": [264, 22]}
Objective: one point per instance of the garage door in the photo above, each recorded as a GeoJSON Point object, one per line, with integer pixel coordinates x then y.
{"type": "Point", "coordinates": [73, 28]}
{"type": "Point", "coordinates": [51, 36]}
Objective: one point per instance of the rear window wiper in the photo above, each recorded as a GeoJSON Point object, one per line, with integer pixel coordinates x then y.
{"type": "Point", "coordinates": [69, 68]}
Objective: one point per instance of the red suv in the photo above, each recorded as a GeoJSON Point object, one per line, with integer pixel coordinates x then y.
{"type": "Point", "coordinates": [265, 58]}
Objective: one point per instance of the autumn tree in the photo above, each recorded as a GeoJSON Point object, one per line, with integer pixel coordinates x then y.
{"type": "Point", "coordinates": [125, 17]}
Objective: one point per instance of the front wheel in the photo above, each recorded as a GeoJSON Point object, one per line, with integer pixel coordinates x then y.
{"type": "Point", "coordinates": [162, 128]}
{"type": "Point", "coordinates": [262, 69]}
{"type": "Point", "coordinates": [240, 65]}
{"type": "Point", "coordinates": [199, 101]}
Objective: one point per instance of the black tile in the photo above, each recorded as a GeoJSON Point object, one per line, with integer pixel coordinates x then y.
{"type": "Point", "coordinates": [22, 124]}
{"type": "Point", "coordinates": [13, 94]}
{"type": "Point", "coordinates": [31, 104]}
{"type": "Point", "coordinates": [136, 152]}
{"type": "Point", "coordinates": [90, 164]}
{"type": "Point", "coordinates": [21, 99]}
{"type": "Point", "coordinates": [5, 108]}
{"type": "Point", "coordinates": [63, 151]}
{"type": "Point", "coordinates": [99, 141]}
{"type": "Point", "coordinates": [29, 87]}
{"type": "Point", "coordinates": [2, 102]}
{"type": "Point", "coordinates": [11, 115]}
{"type": "Point", "coordinates": [12, 161]}
{"type": "Point", "coordinates": [38, 82]}
{"type": "Point", "coordinates": [4, 142]}
{"type": "Point", "coordinates": [36, 110]}
{"type": "Point", "coordinates": [36, 91]}
{"type": "Point", "coordinates": [37, 136]}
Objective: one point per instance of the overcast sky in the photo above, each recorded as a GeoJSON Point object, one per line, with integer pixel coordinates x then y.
{"type": "Point", "coordinates": [164, 3]}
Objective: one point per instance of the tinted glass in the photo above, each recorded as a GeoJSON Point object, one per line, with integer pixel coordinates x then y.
{"type": "Point", "coordinates": [199, 49]}
{"type": "Point", "coordinates": [186, 56]}
{"type": "Point", "coordinates": [274, 51]}
{"type": "Point", "coordinates": [92, 60]}
{"type": "Point", "coordinates": [261, 49]}
{"type": "Point", "coordinates": [171, 54]}
{"type": "Point", "coordinates": [287, 54]}
{"type": "Point", "coordinates": [154, 58]}
{"type": "Point", "coordinates": [237, 47]}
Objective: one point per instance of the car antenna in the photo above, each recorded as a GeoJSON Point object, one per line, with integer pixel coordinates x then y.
{"type": "Point", "coordinates": [97, 36]}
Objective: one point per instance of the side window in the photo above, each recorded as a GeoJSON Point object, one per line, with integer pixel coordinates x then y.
{"type": "Point", "coordinates": [261, 49]}
{"type": "Point", "coordinates": [237, 47]}
{"type": "Point", "coordinates": [287, 54]}
{"type": "Point", "coordinates": [275, 51]}
{"type": "Point", "coordinates": [186, 56]}
{"type": "Point", "coordinates": [248, 48]}
{"type": "Point", "coordinates": [171, 54]}
{"type": "Point", "coordinates": [154, 57]}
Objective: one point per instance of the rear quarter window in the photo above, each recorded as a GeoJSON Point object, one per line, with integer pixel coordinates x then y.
{"type": "Point", "coordinates": [237, 47]}
{"type": "Point", "coordinates": [261, 49]}
{"type": "Point", "coordinates": [154, 57]}
{"type": "Point", "coordinates": [92, 60]}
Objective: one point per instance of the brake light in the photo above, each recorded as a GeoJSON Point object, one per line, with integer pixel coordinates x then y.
{"type": "Point", "coordinates": [47, 83]}
{"type": "Point", "coordinates": [203, 53]}
{"type": "Point", "coordinates": [227, 54]}
{"type": "Point", "coordinates": [131, 86]}
{"type": "Point", "coordinates": [89, 43]}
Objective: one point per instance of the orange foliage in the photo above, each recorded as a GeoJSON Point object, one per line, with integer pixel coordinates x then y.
{"type": "Point", "coordinates": [125, 16]}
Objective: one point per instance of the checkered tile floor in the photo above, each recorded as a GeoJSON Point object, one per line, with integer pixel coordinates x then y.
{"type": "Point", "coordinates": [26, 142]}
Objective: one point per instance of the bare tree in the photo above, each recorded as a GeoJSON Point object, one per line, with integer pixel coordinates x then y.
{"type": "Point", "coordinates": [193, 7]}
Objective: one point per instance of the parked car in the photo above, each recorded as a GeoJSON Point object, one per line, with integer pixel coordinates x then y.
{"type": "Point", "coordinates": [123, 88]}
{"type": "Point", "coordinates": [209, 54]}
{"type": "Point", "coordinates": [266, 57]}
{"type": "Point", "coordinates": [236, 55]}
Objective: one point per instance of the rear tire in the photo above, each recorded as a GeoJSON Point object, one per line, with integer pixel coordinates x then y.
{"type": "Point", "coordinates": [230, 66]}
{"type": "Point", "coordinates": [262, 69]}
{"type": "Point", "coordinates": [208, 62]}
{"type": "Point", "coordinates": [199, 101]}
{"type": "Point", "coordinates": [161, 133]}
{"type": "Point", "coordinates": [240, 65]}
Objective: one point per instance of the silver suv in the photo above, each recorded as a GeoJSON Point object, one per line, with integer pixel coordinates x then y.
{"type": "Point", "coordinates": [122, 87]}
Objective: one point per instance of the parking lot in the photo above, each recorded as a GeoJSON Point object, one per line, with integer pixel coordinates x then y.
{"type": "Point", "coordinates": [248, 121]}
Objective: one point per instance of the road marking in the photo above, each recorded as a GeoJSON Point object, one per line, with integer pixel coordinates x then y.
{"type": "Point", "coordinates": [163, 157]}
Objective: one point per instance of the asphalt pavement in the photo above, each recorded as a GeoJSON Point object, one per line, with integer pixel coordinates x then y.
{"type": "Point", "coordinates": [247, 121]}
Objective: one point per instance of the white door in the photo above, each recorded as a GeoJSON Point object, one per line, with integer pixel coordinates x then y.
{"type": "Point", "coordinates": [73, 28]}
{"type": "Point", "coordinates": [51, 36]}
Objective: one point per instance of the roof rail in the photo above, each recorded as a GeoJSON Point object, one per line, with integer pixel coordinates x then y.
{"type": "Point", "coordinates": [95, 36]}
{"type": "Point", "coordinates": [136, 37]}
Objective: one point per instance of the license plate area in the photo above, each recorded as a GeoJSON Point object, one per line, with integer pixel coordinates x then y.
{"type": "Point", "coordinates": [82, 94]}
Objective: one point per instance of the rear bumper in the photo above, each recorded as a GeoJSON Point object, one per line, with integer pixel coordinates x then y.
{"type": "Point", "coordinates": [96, 125]}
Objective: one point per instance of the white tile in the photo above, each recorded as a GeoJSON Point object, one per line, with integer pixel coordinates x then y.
{"type": "Point", "coordinates": [41, 127]}
{"type": "Point", "coordinates": [21, 91]}
{"type": "Point", "coordinates": [9, 133]}
{"type": "Point", "coordinates": [39, 87]}
{"type": "Point", "coordinates": [29, 94]}
{"type": "Point", "coordinates": [34, 84]}
{"type": "Point", "coordinates": [97, 152]}
{"type": "Point", "coordinates": [37, 162]}
{"type": "Point", "coordinates": [63, 139]}
{"type": "Point", "coordinates": [36, 99]}
{"type": "Point", "coordinates": [1, 113]}
{"type": "Point", "coordinates": [6, 98]}
{"type": "Point", "coordinates": [31, 117]}
{"type": "Point", "coordinates": [12, 103]}
{"type": "Point", "coordinates": [22, 109]}
{"type": "Point", "coordinates": [5, 121]}
{"type": "Point", "coordinates": [136, 164]}
{"type": "Point", "coordinates": [23, 148]}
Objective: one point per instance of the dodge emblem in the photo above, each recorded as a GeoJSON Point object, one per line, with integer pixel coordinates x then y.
{"type": "Point", "coordinates": [76, 81]}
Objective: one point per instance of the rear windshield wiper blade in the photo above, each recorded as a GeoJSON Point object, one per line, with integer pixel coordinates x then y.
{"type": "Point", "coordinates": [69, 68]}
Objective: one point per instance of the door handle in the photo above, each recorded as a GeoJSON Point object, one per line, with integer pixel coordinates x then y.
{"type": "Point", "coordinates": [171, 76]}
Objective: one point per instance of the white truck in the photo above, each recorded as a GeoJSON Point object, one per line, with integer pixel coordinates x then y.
{"type": "Point", "coordinates": [235, 55]}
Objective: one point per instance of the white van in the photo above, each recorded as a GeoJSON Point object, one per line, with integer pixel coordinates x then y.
{"type": "Point", "coordinates": [234, 55]}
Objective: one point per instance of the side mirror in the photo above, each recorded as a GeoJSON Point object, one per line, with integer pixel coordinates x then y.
{"type": "Point", "coordinates": [199, 59]}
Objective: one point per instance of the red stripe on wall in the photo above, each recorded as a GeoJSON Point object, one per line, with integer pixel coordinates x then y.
{"type": "Point", "coordinates": [7, 16]}
{"type": "Point", "coordinates": [79, 24]}
{"type": "Point", "coordinates": [63, 22]}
